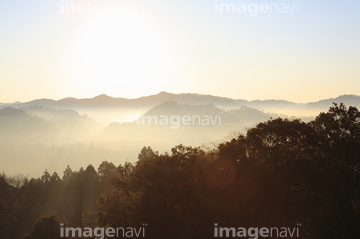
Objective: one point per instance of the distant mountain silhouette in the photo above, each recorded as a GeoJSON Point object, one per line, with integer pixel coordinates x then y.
{"type": "Point", "coordinates": [206, 123]}
{"type": "Point", "coordinates": [71, 124]}
{"type": "Point", "coordinates": [104, 101]}
{"type": "Point", "coordinates": [348, 100]}
{"type": "Point", "coordinates": [238, 116]}
{"type": "Point", "coordinates": [106, 109]}
{"type": "Point", "coordinates": [38, 124]}
{"type": "Point", "coordinates": [18, 125]}
{"type": "Point", "coordinates": [60, 115]}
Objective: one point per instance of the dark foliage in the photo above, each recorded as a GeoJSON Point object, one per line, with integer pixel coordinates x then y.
{"type": "Point", "coordinates": [280, 174]}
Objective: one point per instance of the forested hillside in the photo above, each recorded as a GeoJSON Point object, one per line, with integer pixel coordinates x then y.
{"type": "Point", "coordinates": [282, 173]}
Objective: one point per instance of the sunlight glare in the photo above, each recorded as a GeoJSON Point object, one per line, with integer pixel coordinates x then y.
{"type": "Point", "coordinates": [117, 51]}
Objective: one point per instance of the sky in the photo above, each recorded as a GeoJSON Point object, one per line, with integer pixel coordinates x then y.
{"type": "Point", "coordinates": [294, 50]}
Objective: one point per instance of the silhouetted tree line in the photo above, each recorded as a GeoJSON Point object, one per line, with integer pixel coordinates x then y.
{"type": "Point", "coordinates": [280, 174]}
{"type": "Point", "coordinates": [50, 200]}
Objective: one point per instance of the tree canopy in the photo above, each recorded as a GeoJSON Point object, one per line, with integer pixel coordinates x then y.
{"type": "Point", "coordinates": [282, 173]}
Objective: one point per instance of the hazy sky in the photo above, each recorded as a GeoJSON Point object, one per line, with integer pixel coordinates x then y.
{"type": "Point", "coordinates": [301, 51]}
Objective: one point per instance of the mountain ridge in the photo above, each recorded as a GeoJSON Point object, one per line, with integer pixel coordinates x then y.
{"type": "Point", "coordinates": [103, 104]}
{"type": "Point", "coordinates": [167, 96]}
